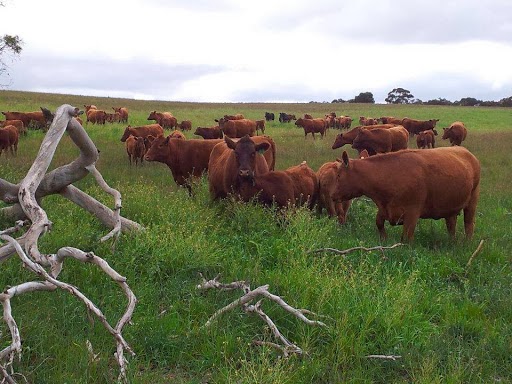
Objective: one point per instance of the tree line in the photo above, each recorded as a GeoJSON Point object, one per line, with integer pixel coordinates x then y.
{"type": "Point", "coordinates": [404, 96]}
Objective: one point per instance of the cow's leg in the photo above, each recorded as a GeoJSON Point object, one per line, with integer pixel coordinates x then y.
{"type": "Point", "coordinates": [410, 221]}
{"type": "Point", "coordinates": [470, 213]}
{"type": "Point", "coordinates": [342, 210]}
{"type": "Point", "coordinates": [451, 225]}
{"type": "Point", "coordinates": [380, 219]}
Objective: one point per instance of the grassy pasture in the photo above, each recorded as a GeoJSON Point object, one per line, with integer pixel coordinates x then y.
{"type": "Point", "coordinates": [448, 322]}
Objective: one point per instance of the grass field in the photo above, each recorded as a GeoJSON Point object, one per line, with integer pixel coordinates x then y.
{"type": "Point", "coordinates": [449, 322]}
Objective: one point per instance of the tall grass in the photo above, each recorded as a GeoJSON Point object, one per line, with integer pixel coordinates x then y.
{"type": "Point", "coordinates": [449, 322]}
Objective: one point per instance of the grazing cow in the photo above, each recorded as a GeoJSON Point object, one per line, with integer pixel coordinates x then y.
{"type": "Point", "coordinates": [260, 126]}
{"type": "Point", "coordinates": [17, 123]}
{"type": "Point", "coordinates": [143, 131]}
{"type": "Point", "coordinates": [238, 116]}
{"type": "Point", "coordinates": [426, 139]}
{"type": "Point", "coordinates": [185, 158]}
{"type": "Point", "coordinates": [165, 119]}
{"type": "Point", "coordinates": [9, 139]}
{"type": "Point", "coordinates": [456, 133]}
{"type": "Point", "coordinates": [233, 165]}
{"type": "Point", "coordinates": [305, 184]}
{"type": "Point", "coordinates": [343, 122]}
{"type": "Point", "coordinates": [35, 120]}
{"type": "Point", "coordinates": [135, 148]}
{"type": "Point", "coordinates": [365, 121]}
{"type": "Point", "coordinates": [123, 114]}
{"type": "Point", "coordinates": [94, 115]}
{"type": "Point", "coordinates": [237, 128]}
{"type": "Point", "coordinates": [416, 126]}
{"type": "Point", "coordinates": [348, 137]}
{"type": "Point", "coordinates": [312, 126]}
{"type": "Point", "coordinates": [209, 133]}
{"type": "Point", "coordinates": [285, 117]}
{"type": "Point", "coordinates": [381, 140]}
{"type": "Point", "coordinates": [177, 135]}
{"type": "Point", "coordinates": [185, 125]}
{"type": "Point", "coordinates": [269, 116]}
{"type": "Point", "coordinates": [112, 117]}
{"type": "Point", "coordinates": [390, 120]}
{"type": "Point", "coordinates": [439, 183]}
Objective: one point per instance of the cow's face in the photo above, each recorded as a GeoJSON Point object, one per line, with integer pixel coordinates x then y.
{"type": "Point", "coordinates": [159, 150]}
{"type": "Point", "coordinates": [446, 133]}
{"type": "Point", "coordinates": [152, 116]}
{"type": "Point", "coordinates": [361, 140]}
{"type": "Point", "coordinates": [126, 133]}
{"type": "Point", "coordinates": [245, 153]}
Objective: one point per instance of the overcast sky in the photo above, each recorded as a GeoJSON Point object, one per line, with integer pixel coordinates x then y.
{"type": "Point", "coordinates": [264, 50]}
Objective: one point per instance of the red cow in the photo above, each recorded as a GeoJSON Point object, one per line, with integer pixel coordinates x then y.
{"type": "Point", "coordinates": [237, 128]}
{"type": "Point", "coordinates": [426, 139]}
{"type": "Point", "coordinates": [260, 126]}
{"type": "Point", "coordinates": [135, 149]}
{"type": "Point", "coordinates": [17, 123]}
{"type": "Point", "coordinates": [177, 135]}
{"type": "Point", "coordinates": [381, 140]}
{"type": "Point", "coordinates": [9, 139]}
{"type": "Point", "coordinates": [348, 137]}
{"type": "Point", "coordinates": [143, 131]}
{"type": "Point", "coordinates": [441, 183]}
{"type": "Point", "coordinates": [456, 133]}
{"type": "Point", "coordinates": [123, 114]}
{"type": "Point", "coordinates": [185, 125]}
{"type": "Point", "coordinates": [165, 119]}
{"type": "Point", "coordinates": [326, 176]}
{"type": "Point", "coordinates": [312, 126]}
{"type": "Point", "coordinates": [233, 166]}
{"type": "Point", "coordinates": [29, 119]}
{"type": "Point", "coordinates": [390, 120]}
{"type": "Point", "coordinates": [308, 116]}
{"type": "Point", "coordinates": [209, 132]}
{"type": "Point", "coordinates": [305, 184]}
{"type": "Point", "coordinates": [343, 122]}
{"type": "Point", "coordinates": [416, 126]}
{"type": "Point", "coordinates": [238, 116]}
{"type": "Point", "coordinates": [365, 121]}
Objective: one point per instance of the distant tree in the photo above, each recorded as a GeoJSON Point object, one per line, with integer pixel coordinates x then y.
{"type": "Point", "coordinates": [490, 103]}
{"type": "Point", "coordinates": [340, 100]}
{"type": "Point", "coordinates": [439, 101]}
{"type": "Point", "coordinates": [363, 97]}
{"type": "Point", "coordinates": [468, 102]}
{"type": "Point", "coordinates": [399, 96]}
{"type": "Point", "coordinates": [506, 102]}
{"type": "Point", "coordinates": [10, 46]}
{"type": "Point", "coordinates": [416, 101]}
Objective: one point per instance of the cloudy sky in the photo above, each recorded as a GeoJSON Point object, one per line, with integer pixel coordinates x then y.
{"type": "Point", "coordinates": [262, 50]}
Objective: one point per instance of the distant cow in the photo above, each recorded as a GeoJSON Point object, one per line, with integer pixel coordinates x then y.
{"type": "Point", "coordinates": [365, 121]}
{"type": "Point", "coordinates": [348, 137]}
{"type": "Point", "coordinates": [209, 132]}
{"type": "Point", "coordinates": [456, 133]}
{"type": "Point", "coordinates": [260, 126]}
{"type": "Point", "coordinates": [426, 139]}
{"type": "Point", "coordinates": [381, 140]}
{"type": "Point", "coordinates": [123, 114]}
{"type": "Point", "coordinates": [185, 125]}
{"type": "Point", "coordinates": [312, 126]}
{"type": "Point", "coordinates": [30, 119]}
{"type": "Point", "coordinates": [416, 126]}
{"type": "Point", "coordinates": [165, 119]}
{"type": "Point", "coordinates": [390, 120]}
{"type": "Point", "coordinates": [343, 122]}
{"type": "Point", "coordinates": [308, 116]}
{"type": "Point", "coordinates": [143, 131]}
{"type": "Point", "coordinates": [17, 123]}
{"type": "Point", "coordinates": [95, 115]}
{"type": "Point", "coordinates": [177, 135]}
{"type": "Point", "coordinates": [441, 183]}
{"type": "Point", "coordinates": [237, 116]}
{"type": "Point", "coordinates": [269, 116]}
{"type": "Point", "coordinates": [237, 128]}
{"type": "Point", "coordinates": [285, 117]}
{"type": "Point", "coordinates": [135, 149]}
{"type": "Point", "coordinates": [233, 166]}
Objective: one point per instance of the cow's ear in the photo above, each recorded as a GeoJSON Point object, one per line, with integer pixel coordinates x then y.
{"type": "Point", "coordinates": [230, 143]}
{"type": "Point", "coordinates": [344, 159]}
{"type": "Point", "coordinates": [262, 147]}
{"type": "Point", "coordinates": [363, 154]}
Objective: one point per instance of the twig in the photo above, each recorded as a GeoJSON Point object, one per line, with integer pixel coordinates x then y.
{"type": "Point", "coordinates": [477, 250]}
{"type": "Point", "coordinates": [385, 357]}
{"type": "Point", "coordinates": [344, 252]}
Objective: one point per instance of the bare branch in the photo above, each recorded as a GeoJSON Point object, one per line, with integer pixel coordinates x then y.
{"type": "Point", "coordinates": [477, 250]}
{"type": "Point", "coordinates": [385, 357]}
{"type": "Point", "coordinates": [346, 251]}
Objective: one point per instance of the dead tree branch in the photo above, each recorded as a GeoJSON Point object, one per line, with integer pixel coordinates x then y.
{"type": "Point", "coordinates": [285, 346]}
{"type": "Point", "coordinates": [476, 252]}
{"type": "Point", "coordinates": [346, 251]}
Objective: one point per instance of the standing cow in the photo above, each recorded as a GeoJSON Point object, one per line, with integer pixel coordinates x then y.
{"type": "Point", "coordinates": [456, 133]}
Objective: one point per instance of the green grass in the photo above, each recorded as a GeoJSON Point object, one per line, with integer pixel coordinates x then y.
{"type": "Point", "coordinates": [449, 323]}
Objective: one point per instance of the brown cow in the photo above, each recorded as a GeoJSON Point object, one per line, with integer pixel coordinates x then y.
{"type": "Point", "coordinates": [185, 158]}
{"type": "Point", "coordinates": [17, 123]}
{"type": "Point", "coordinates": [135, 148]}
{"type": "Point", "coordinates": [305, 184]}
{"type": "Point", "coordinates": [177, 135]}
{"type": "Point", "coordinates": [343, 122]}
{"type": "Point", "coordinates": [185, 125]}
{"type": "Point", "coordinates": [390, 120]}
{"type": "Point", "coordinates": [381, 140]}
{"type": "Point", "coordinates": [456, 133]}
{"type": "Point", "coordinates": [286, 117]}
{"type": "Point", "coordinates": [308, 116]}
{"type": "Point", "coordinates": [348, 137]}
{"type": "Point", "coordinates": [123, 114]}
{"type": "Point", "coordinates": [416, 126]}
{"type": "Point", "coordinates": [165, 119]}
{"type": "Point", "coordinates": [94, 115]}
{"type": "Point", "coordinates": [441, 183]}
{"type": "Point", "coordinates": [9, 138]}
{"type": "Point", "coordinates": [233, 165]}
{"type": "Point", "coordinates": [238, 116]}
{"type": "Point", "coordinates": [29, 119]}
{"type": "Point", "coordinates": [312, 126]}
{"type": "Point", "coordinates": [237, 128]}
{"type": "Point", "coordinates": [143, 131]}
{"type": "Point", "coordinates": [209, 132]}
{"type": "Point", "coordinates": [365, 121]}
{"type": "Point", "coordinates": [260, 126]}
{"type": "Point", "coordinates": [426, 139]}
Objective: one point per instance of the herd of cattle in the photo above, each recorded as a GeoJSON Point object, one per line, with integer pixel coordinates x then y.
{"type": "Point", "coordinates": [405, 184]}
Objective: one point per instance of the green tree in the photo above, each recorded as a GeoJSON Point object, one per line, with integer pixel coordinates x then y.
{"type": "Point", "coordinates": [399, 96]}
{"type": "Point", "coordinates": [363, 97]}
{"type": "Point", "coordinates": [10, 46]}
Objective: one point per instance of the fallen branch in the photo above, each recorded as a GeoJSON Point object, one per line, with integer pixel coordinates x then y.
{"type": "Point", "coordinates": [476, 252]}
{"type": "Point", "coordinates": [346, 251]}
{"type": "Point", "coordinates": [286, 347]}
{"type": "Point", "coordinates": [385, 357]}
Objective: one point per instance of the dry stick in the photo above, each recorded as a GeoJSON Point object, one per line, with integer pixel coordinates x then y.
{"type": "Point", "coordinates": [344, 252]}
{"type": "Point", "coordinates": [477, 250]}
{"type": "Point", "coordinates": [385, 357]}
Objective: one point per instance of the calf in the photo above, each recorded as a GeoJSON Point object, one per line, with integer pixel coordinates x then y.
{"type": "Point", "coordinates": [381, 140]}
{"type": "Point", "coordinates": [426, 139]}
{"type": "Point", "coordinates": [441, 183]}
{"type": "Point", "coordinates": [312, 126]}
{"type": "Point", "coordinates": [123, 114]}
{"type": "Point", "coordinates": [135, 149]}
{"type": "Point", "coordinates": [260, 126]}
{"type": "Point", "coordinates": [305, 184]}
{"type": "Point", "coordinates": [209, 133]}
{"type": "Point", "coordinates": [17, 123]}
{"type": "Point", "coordinates": [9, 139]}
{"type": "Point", "coordinates": [269, 116]}
{"type": "Point", "coordinates": [185, 125]}
{"type": "Point", "coordinates": [456, 133]}
{"type": "Point", "coordinates": [177, 135]}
